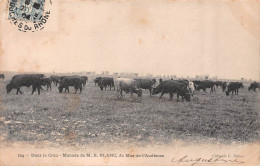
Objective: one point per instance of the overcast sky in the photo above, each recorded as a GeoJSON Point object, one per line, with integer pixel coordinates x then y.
{"type": "Point", "coordinates": [158, 37]}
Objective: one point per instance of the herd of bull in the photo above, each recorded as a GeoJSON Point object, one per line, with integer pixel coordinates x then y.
{"type": "Point", "coordinates": [181, 87]}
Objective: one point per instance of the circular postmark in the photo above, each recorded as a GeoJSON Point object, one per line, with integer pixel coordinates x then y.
{"type": "Point", "coordinates": [28, 15]}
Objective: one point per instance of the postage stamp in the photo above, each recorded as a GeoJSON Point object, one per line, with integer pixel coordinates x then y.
{"type": "Point", "coordinates": [28, 15]}
{"type": "Point", "coordinates": [27, 10]}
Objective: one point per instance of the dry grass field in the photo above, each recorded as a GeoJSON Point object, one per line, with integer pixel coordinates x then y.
{"type": "Point", "coordinates": [96, 118]}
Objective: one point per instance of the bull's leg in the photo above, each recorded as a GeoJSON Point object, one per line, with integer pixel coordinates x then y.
{"type": "Point", "coordinates": [38, 88]}
{"type": "Point", "coordinates": [237, 91]}
{"type": "Point", "coordinates": [177, 97]}
{"type": "Point", "coordinates": [76, 89]}
{"type": "Point", "coordinates": [67, 89]}
{"type": "Point", "coordinates": [161, 95]}
{"type": "Point", "coordinates": [150, 90]}
{"type": "Point", "coordinates": [110, 86]}
{"type": "Point", "coordinates": [33, 88]}
{"type": "Point", "coordinates": [171, 95]}
{"type": "Point", "coordinates": [18, 90]}
{"type": "Point", "coordinates": [80, 88]}
{"type": "Point", "coordinates": [50, 87]}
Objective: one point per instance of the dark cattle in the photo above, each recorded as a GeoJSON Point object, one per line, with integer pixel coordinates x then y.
{"type": "Point", "coordinates": [67, 81]}
{"type": "Point", "coordinates": [25, 80]}
{"type": "Point", "coordinates": [204, 85]}
{"type": "Point", "coordinates": [2, 76]}
{"type": "Point", "coordinates": [55, 79]}
{"type": "Point", "coordinates": [160, 80]}
{"type": "Point", "coordinates": [46, 81]}
{"type": "Point", "coordinates": [85, 80]}
{"type": "Point", "coordinates": [106, 81]}
{"type": "Point", "coordinates": [96, 80]}
{"type": "Point", "coordinates": [172, 87]}
{"type": "Point", "coordinates": [253, 86]}
{"type": "Point", "coordinates": [128, 85]}
{"type": "Point", "coordinates": [233, 87]}
{"type": "Point", "coordinates": [146, 84]}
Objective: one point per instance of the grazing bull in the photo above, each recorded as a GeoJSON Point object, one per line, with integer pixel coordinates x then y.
{"type": "Point", "coordinates": [67, 81]}
{"type": "Point", "coordinates": [128, 85]}
{"type": "Point", "coordinates": [96, 80]}
{"type": "Point", "coordinates": [253, 86]}
{"type": "Point", "coordinates": [106, 81]}
{"type": "Point", "coordinates": [233, 87]}
{"type": "Point", "coordinates": [46, 81]}
{"type": "Point", "coordinates": [55, 79]}
{"type": "Point", "coordinates": [172, 87]}
{"type": "Point", "coordinates": [2, 76]}
{"type": "Point", "coordinates": [204, 85]}
{"type": "Point", "coordinates": [25, 80]}
{"type": "Point", "coordinates": [146, 84]}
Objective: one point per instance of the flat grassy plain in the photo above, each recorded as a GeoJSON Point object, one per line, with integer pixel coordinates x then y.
{"type": "Point", "coordinates": [96, 118]}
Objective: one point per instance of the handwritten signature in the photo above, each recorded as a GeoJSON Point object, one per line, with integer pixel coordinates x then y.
{"type": "Point", "coordinates": [213, 160]}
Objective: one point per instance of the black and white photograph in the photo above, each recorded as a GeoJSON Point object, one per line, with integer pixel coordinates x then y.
{"type": "Point", "coordinates": [129, 82]}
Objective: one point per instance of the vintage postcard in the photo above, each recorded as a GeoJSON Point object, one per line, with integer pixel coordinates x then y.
{"type": "Point", "coordinates": [129, 82]}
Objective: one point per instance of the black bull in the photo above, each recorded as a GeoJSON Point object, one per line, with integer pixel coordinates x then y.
{"type": "Point", "coordinates": [146, 84]}
{"type": "Point", "coordinates": [204, 85]}
{"type": "Point", "coordinates": [172, 87]}
{"type": "Point", "coordinates": [70, 81]}
{"type": "Point", "coordinates": [234, 87]}
{"type": "Point", "coordinates": [106, 81]}
{"type": "Point", "coordinates": [253, 86]}
{"type": "Point", "coordinates": [25, 80]}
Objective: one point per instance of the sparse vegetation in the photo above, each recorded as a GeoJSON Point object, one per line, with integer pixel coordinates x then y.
{"type": "Point", "coordinates": [96, 118]}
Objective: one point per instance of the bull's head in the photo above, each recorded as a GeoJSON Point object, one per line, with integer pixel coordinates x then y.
{"type": "Point", "coordinates": [9, 88]}
{"type": "Point", "coordinates": [187, 96]}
